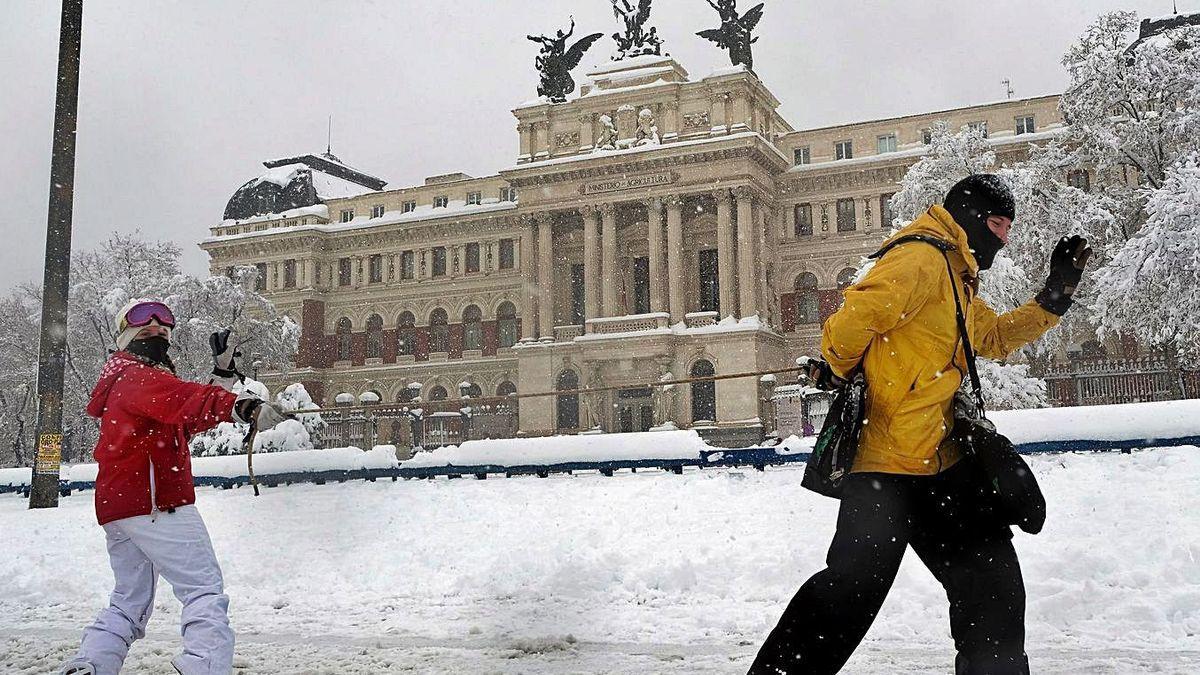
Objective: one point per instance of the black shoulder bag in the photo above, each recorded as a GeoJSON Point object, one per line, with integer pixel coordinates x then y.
{"type": "Point", "coordinates": [1003, 475]}
{"type": "Point", "coordinates": [833, 454]}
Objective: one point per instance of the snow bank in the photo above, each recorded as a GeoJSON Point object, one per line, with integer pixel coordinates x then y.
{"type": "Point", "coordinates": [330, 459]}
{"type": "Point", "coordinates": [685, 444]}
{"type": "Point", "coordinates": [1129, 421]}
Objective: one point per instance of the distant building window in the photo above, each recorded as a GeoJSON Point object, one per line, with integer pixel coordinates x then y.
{"type": "Point", "coordinates": [347, 215]}
{"type": "Point", "coordinates": [344, 273]}
{"type": "Point", "coordinates": [289, 273]}
{"type": "Point", "coordinates": [506, 318]}
{"type": "Point", "coordinates": [507, 258]}
{"type": "Point", "coordinates": [439, 331]}
{"type": "Point", "coordinates": [508, 194]}
{"type": "Point", "coordinates": [260, 282]}
{"type": "Point", "coordinates": [927, 136]}
{"type": "Point", "coordinates": [843, 150]}
{"type": "Point", "coordinates": [441, 201]}
{"type": "Point", "coordinates": [886, 143]}
{"type": "Point", "coordinates": [474, 197]}
{"type": "Point", "coordinates": [981, 127]}
{"type": "Point", "coordinates": [846, 215]}
{"type": "Point", "coordinates": [407, 265]}
{"type": "Point", "coordinates": [407, 207]}
{"type": "Point", "coordinates": [344, 339]}
{"type": "Point", "coordinates": [1081, 179]}
{"type": "Point", "coordinates": [377, 211]}
{"type": "Point", "coordinates": [472, 263]}
{"type": "Point", "coordinates": [406, 334]}
{"type": "Point", "coordinates": [472, 328]}
{"type": "Point", "coordinates": [804, 223]}
{"type": "Point", "coordinates": [374, 337]}
{"type": "Point", "coordinates": [439, 261]}
{"type": "Point", "coordinates": [886, 216]}
{"type": "Point", "coordinates": [806, 298]}
{"type": "Point", "coordinates": [1025, 125]}
{"type": "Point", "coordinates": [375, 268]}
{"type": "Point", "coordinates": [800, 156]}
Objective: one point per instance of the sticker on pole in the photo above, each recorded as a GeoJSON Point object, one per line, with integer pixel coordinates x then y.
{"type": "Point", "coordinates": [49, 454]}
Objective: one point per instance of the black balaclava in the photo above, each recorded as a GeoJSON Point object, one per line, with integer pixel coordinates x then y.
{"type": "Point", "coordinates": [971, 202]}
{"type": "Point", "coordinates": [152, 349]}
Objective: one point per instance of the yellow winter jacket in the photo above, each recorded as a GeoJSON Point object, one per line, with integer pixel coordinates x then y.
{"type": "Point", "coordinates": [899, 324]}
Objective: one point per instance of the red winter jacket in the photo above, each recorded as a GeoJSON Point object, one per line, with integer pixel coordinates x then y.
{"type": "Point", "coordinates": [147, 415]}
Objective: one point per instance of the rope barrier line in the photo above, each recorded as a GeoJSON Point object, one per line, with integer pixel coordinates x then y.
{"type": "Point", "coordinates": [564, 392]}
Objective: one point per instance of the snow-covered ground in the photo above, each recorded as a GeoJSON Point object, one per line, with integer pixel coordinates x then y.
{"type": "Point", "coordinates": [638, 573]}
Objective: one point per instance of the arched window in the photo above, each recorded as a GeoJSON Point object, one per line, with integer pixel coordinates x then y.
{"type": "Point", "coordinates": [506, 388]}
{"type": "Point", "coordinates": [406, 335]}
{"type": "Point", "coordinates": [845, 278]}
{"type": "Point", "coordinates": [410, 391]}
{"type": "Point", "coordinates": [472, 328]}
{"type": "Point", "coordinates": [567, 404]}
{"type": "Point", "coordinates": [704, 394]}
{"type": "Point", "coordinates": [472, 390]}
{"type": "Point", "coordinates": [344, 339]}
{"type": "Point", "coordinates": [374, 337]}
{"type": "Point", "coordinates": [807, 305]}
{"type": "Point", "coordinates": [343, 399]}
{"type": "Point", "coordinates": [437, 393]}
{"type": "Point", "coordinates": [506, 316]}
{"type": "Point", "coordinates": [439, 331]}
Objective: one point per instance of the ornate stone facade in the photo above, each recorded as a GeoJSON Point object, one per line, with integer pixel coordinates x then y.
{"type": "Point", "coordinates": [718, 248]}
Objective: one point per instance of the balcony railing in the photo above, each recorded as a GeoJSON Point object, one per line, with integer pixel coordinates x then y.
{"type": "Point", "coordinates": [628, 324]}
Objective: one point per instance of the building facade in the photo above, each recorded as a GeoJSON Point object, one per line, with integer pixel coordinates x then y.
{"type": "Point", "coordinates": [655, 226]}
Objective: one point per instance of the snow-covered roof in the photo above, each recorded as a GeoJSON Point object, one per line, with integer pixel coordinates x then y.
{"type": "Point", "coordinates": [595, 154]}
{"type": "Point", "coordinates": [297, 182]}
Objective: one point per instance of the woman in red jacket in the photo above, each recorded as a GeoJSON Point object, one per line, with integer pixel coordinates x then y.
{"type": "Point", "coordinates": [145, 500]}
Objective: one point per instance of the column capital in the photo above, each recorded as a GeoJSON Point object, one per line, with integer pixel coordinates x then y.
{"type": "Point", "coordinates": [588, 210]}
{"type": "Point", "coordinates": [608, 208]}
{"type": "Point", "coordinates": [587, 118]}
{"type": "Point", "coordinates": [744, 192]}
{"type": "Point", "coordinates": [670, 105]}
{"type": "Point", "coordinates": [654, 204]}
{"type": "Point", "coordinates": [721, 195]}
{"type": "Point", "coordinates": [673, 201]}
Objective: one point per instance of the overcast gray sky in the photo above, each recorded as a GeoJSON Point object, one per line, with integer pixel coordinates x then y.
{"type": "Point", "coordinates": [181, 101]}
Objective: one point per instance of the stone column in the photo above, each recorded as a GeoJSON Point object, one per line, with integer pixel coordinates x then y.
{"type": "Point", "coordinates": [725, 276]}
{"type": "Point", "coordinates": [766, 245]}
{"type": "Point", "coordinates": [746, 239]}
{"type": "Point", "coordinates": [310, 273]}
{"type": "Point", "coordinates": [541, 139]}
{"type": "Point", "coordinates": [654, 213]}
{"type": "Point", "coordinates": [675, 280]}
{"type": "Point", "coordinates": [528, 280]}
{"type": "Point", "coordinates": [671, 123]}
{"type": "Point", "coordinates": [609, 275]}
{"type": "Point", "coordinates": [591, 263]}
{"type": "Point", "coordinates": [526, 133]}
{"type": "Point", "coordinates": [718, 117]}
{"type": "Point", "coordinates": [545, 276]}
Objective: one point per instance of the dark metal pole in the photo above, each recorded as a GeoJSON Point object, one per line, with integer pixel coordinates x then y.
{"type": "Point", "coordinates": [44, 490]}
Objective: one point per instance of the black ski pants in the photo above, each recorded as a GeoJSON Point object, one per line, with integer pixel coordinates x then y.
{"type": "Point", "coordinates": [958, 538]}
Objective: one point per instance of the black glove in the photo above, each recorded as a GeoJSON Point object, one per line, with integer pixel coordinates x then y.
{"type": "Point", "coordinates": [1067, 261]}
{"type": "Point", "coordinates": [223, 354]}
{"type": "Point", "coordinates": [819, 373]}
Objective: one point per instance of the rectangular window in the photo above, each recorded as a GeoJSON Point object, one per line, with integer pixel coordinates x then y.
{"type": "Point", "coordinates": [843, 150]}
{"type": "Point", "coordinates": [886, 143]}
{"type": "Point", "coordinates": [1025, 125]}
{"type": "Point", "coordinates": [347, 215]}
{"type": "Point", "coordinates": [927, 136]}
{"type": "Point", "coordinates": [289, 273]}
{"type": "Point", "coordinates": [641, 285]}
{"type": "Point", "coordinates": [260, 284]}
{"type": "Point", "coordinates": [803, 226]}
{"type": "Point", "coordinates": [441, 202]}
{"type": "Point", "coordinates": [846, 215]}
{"type": "Point", "coordinates": [377, 211]}
{"type": "Point", "coordinates": [981, 127]}
{"type": "Point", "coordinates": [407, 265]}
{"type": "Point", "coordinates": [885, 210]}
{"type": "Point", "coordinates": [800, 156]}
{"type": "Point", "coordinates": [577, 295]}
{"type": "Point", "coordinates": [375, 268]}
{"type": "Point", "coordinates": [710, 290]}
{"type": "Point", "coordinates": [439, 261]}
{"type": "Point", "coordinates": [508, 194]}
{"type": "Point", "coordinates": [507, 257]}
{"type": "Point", "coordinates": [474, 197]}
{"type": "Point", "coordinates": [344, 275]}
{"type": "Point", "coordinates": [408, 206]}
{"type": "Point", "coordinates": [472, 263]}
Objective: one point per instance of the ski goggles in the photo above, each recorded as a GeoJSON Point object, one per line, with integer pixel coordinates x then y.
{"type": "Point", "coordinates": [143, 313]}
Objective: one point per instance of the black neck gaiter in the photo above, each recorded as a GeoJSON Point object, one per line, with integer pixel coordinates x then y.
{"type": "Point", "coordinates": [152, 349]}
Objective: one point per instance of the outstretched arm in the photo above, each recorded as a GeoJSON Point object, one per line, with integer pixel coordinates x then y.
{"type": "Point", "coordinates": [996, 336]}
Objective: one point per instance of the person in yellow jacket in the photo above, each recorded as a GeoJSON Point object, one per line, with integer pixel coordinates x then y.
{"type": "Point", "coordinates": [907, 487]}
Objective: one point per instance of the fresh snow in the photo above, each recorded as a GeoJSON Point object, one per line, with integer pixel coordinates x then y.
{"type": "Point", "coordinates": [638, 573]}
{"type": "Point", "coordinates": [680, 444]}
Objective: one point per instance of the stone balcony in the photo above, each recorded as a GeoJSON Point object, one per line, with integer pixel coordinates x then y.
{"type": "Point", "coordinates": [628, 324]}
{"type": "Point", "coordinates": [698, 319]}
{"type": "Point", "coordinates": [567, 333]}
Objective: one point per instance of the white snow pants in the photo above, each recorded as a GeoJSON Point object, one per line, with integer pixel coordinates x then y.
{"type": "Point", "coordinates": [176, 546]}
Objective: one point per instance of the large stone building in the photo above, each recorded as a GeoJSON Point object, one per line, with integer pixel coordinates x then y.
{"type": "Point", "coordinates": [655, 225]}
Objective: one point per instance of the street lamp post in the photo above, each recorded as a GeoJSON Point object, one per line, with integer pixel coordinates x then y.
{"type": "Point", "coordinates": [43, 491]}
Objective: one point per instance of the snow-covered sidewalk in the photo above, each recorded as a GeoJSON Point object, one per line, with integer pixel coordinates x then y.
{"type": "Point", "coordinates": [645, 573]}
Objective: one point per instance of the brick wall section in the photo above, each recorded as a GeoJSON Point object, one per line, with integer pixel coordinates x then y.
{"type": "Point", "coordinates": [312, 335]}
{"type": "Point", "coordinates": [491, 337]}
{"type": "Point", "coordinates": [828, 302]}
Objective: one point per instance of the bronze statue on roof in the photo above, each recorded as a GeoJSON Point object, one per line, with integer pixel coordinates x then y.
{"type": "Point", "coordinates": [555, 61]}
{"type": "Point", "coordinates": [636, 40]}
{"type": "Point", "coordinates": [734, 33]}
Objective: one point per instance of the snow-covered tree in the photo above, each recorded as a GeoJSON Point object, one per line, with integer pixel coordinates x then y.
{"type": "Point", "coordinates": [295, 434]}
{"type": "Point", "coordinates": [1010, 386]}
{"type": "Point", "coordinates": [1152, 284]}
